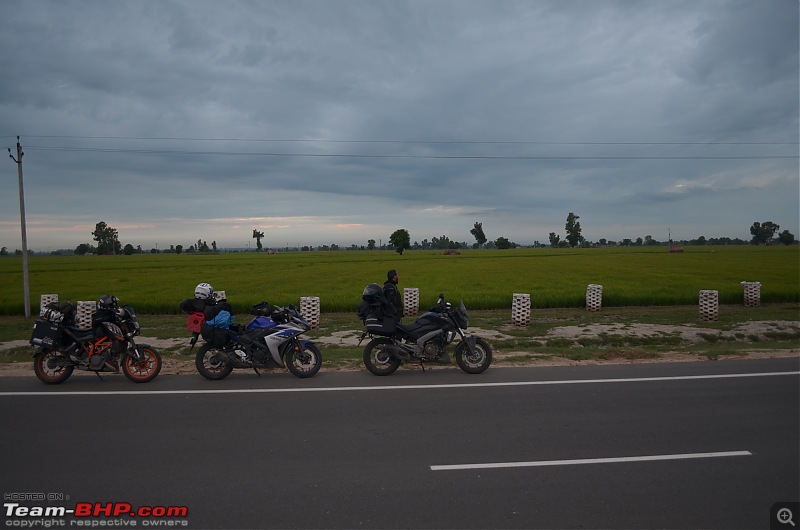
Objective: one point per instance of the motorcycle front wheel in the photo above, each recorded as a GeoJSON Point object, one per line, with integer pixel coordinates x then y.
{"type": "Point", "coordinates": [145, 370]}
{"type": "Point", "coordinates": [476, 362]}
{"type": "Point", "coordinates": [52, 367]}
{"type": "Point", "coordinates": [303, 360]}
{"type": "Point", "coordinates": [377, 359]}
{"type": "Point", "coordinates": [210, 365]}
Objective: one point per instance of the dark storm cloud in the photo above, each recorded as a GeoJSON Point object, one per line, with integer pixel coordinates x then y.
{"type": "Point", "coordinates": [428, 115]}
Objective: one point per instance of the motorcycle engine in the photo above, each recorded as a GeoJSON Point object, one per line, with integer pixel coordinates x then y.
{"type": "Point", "coordinates": [434, 347]}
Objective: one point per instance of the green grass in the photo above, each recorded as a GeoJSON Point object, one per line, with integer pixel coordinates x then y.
{"type": "Point", "coordinates": [485, 279]}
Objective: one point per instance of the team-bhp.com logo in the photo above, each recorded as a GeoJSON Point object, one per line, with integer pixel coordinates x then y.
{"type": "Point", "coordinates": [94, 514]}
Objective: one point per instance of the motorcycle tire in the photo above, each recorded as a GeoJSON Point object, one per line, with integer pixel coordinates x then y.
{"type": "Point", "coordinates": [209, 365]}
{"type": "Point", "coordinates": [142, 371]}
{"type": "Point", "coordinates": [377, 359]}
{"type": "Point", "coordinates": [477, 362]}
{"type": "Point", "coordinates": [304, 362]}
{"type": "Point", "coordinates": [47, 371]}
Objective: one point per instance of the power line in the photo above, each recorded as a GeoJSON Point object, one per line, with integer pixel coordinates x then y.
{"type": "Point", "coordinates": [428, 157]}
{"type": "Point", "coordinates": [385, 141]}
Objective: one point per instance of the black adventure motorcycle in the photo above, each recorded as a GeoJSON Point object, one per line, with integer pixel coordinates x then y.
{"type": "Point", "coordinates": [426, 340]}
{"type": "Point", "coordinates": [61, 347]}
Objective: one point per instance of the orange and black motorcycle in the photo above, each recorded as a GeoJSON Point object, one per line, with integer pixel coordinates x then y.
{"type": "Point", "coordinates": [61, 346]}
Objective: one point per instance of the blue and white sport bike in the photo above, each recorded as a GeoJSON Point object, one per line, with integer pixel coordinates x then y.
{"type": "Point", "coordinates": [271, 340]}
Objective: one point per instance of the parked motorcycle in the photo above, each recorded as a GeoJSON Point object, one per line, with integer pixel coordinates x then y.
{"type": "Point", "coordinates": [61, 347]}
{"type": "Point", "coordinates": [270, 340]}
{"type": "Point", "coordinates": [424, 341]}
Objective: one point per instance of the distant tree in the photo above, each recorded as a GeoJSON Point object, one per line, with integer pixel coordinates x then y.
{"type": "Point", "coordinates": [763, 232]}
{"type": "Point", "coordinates": [400, 240]}
{"type": "Point", "coordinates": [554, 239]}
{"type": "Point", "coordinates": [83, 249]}
{"type": "Point", "coordinates": [214, 246]}
{"type": "Point", "coordinates": [602, 242]}
{"type": "Point", "coordinates": [785, 237]}
{"type": "Point", "coordinates": [128, 250]}
{"type": "Point", "coordinates": [178, 249]}
{"type": "Point", "coordinates": [258, 236]}
{"type": "Point", "coordinates": [502, 243]}
{"type": "Point", "coordinates": [4, 251]}
{"type": "Point", "coordinates": [107, 239]}
{"type": "Point", "coordinates": [477, 231]}
{"type": "Point", "coordinates": [573, 228]}
{"type": "Point", "coordinates": [371, 244]}
{"type": "Point", "coordinates": [153, 251]}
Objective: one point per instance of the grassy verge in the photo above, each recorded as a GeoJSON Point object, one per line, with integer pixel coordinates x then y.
{"type": "Point", "coordinates": [632, 333]}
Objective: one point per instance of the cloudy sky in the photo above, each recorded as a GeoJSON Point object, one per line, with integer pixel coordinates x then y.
{"type": "Point", "coordinates": [339, 121]}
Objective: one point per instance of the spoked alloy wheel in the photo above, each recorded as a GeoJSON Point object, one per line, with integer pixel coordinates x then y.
{"type": "Point", "coordinates": [51, 368]}
{"type": "Point", "coordinates": [304, 360]}
{"type": "Point", "coordinates": [145, 370]}
{"type": "Point", "coordinates": [476, 362]}
{"type": "Point", "coordinates": [377, 359]}
{"type": "Point", "coordinates": [210, 364]}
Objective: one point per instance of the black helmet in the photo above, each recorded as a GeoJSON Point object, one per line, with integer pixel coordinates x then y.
{"type": "Point", "coordinates": [108, 301]}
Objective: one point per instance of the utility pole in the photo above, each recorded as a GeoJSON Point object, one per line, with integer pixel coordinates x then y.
{"type": "Point", "coordinates": [25, 286]}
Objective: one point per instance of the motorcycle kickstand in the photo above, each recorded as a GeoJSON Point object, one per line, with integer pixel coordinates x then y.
{"type": "Point", "coordinates": [422, 364]}
{"type": "Point", "coordinates": [256, 371]}
{"type": "Point", "coordinates": [100, 376]}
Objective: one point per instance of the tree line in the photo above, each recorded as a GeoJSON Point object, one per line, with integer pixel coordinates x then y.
{"type": "Point", "coordinates": [763, 233]}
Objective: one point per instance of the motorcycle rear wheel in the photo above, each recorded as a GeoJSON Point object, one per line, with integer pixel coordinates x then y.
{"type": "Point", "coordinates": [377, 359]}
{"type": "Point", "coordinates": [47, 367]}
{"type": "Point", "coordinates": [304, 362]}
{"type": "Point", "coordinates": [477, 362]}
{"type": "Point", "coordinates": [209, 365]}
{"type": "Point", "coordinates": [144, 371]}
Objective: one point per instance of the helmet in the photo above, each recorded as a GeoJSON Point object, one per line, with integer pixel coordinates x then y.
{"type": "Point", "coordinates": [108, 301]}
{"type": "Point", "coordinates": [203, 291]}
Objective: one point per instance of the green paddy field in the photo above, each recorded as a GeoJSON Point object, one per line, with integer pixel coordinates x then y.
{"type": "Point", "coordinates": [484, 279]}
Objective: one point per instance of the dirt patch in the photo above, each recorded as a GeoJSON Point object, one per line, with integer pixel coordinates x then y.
{"type": "Point", "coordinates": [184, 365]}
{"type": "Point", "coordinates": [688, 333]}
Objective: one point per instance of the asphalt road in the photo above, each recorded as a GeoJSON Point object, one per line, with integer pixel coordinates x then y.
{"type": "Point", "coordinates": [688, 445]}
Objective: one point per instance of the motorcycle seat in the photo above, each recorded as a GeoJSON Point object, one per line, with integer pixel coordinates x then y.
{"type": "Point", "coordinates": [410, 328]}
{"type": "Point", "coordinates": [81, 333]}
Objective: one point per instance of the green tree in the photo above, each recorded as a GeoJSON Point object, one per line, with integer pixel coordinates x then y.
{"type": "Point", "coordinates": [107, 239]}
{"type": "Point", "coordinates": [573, 228]}
{"type": "Point", "coordinates": [258, 236]}
{"type": "Point", "coordinates": [371, 244]}
{"type": "Point", "coordinates": [785, 237]}
{"type": "Point", "coordinates": [502, 243]}
{"type": "Point", "coordinates": [554, 239]}
{"type": "Point", "coordinates": [83, 249]}
{"type": "Point", "coordinates": [128, 250]}
{"type": "Point", "coordinates": [400, 240]}
{"type": "Point", "coordinates": [763, 232]}
{"type": "Point", "coordinates": [477, 231]}
{"type": "Point", "coordinates": [178, 249]}
{"type": "Point", "coordinates": [4, 251]}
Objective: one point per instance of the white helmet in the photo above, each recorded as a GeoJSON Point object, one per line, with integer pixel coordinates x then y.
{"type": "Point", "coordinates": [203, 291]}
